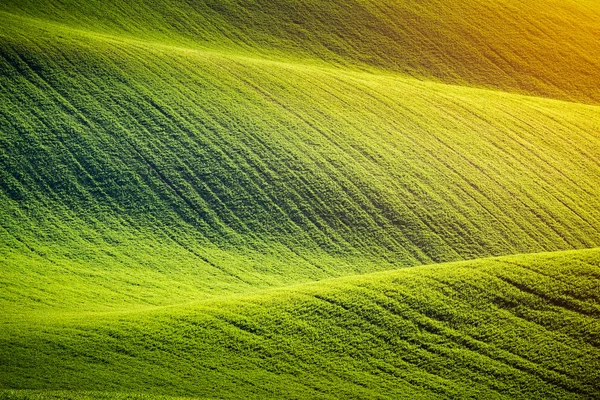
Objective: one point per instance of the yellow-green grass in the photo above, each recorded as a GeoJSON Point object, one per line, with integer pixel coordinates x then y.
{"type": "Point", "coordinates": [511, 327]}
{"type": "Point", "coordinates": [173, 176]}
{"type": "Point", "coordinates": [546, 47]}
{"type": "Point", "coordinates": [135, 173]}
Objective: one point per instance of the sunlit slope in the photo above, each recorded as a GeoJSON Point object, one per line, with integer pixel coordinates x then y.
{"type": "Point", "coordinates": [155, 183]}
{"type": "Point", "coordinates": [136, 173]}
{"type": "Point", "coordinates": [514, 327]}
{"type": "Point", "coordinates": [546, 47]}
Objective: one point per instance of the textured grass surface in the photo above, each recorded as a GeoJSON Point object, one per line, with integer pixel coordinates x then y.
{"type": "Point", "coordinates": [548, 47]}
{"type": "Point", "coordinates": [179, 174]}
{"type": "Point", "coordinates": [78, 395]}
{"type": "Point", "coordinates": [514, 327]}
{"type": "Point", "coordinates": [174, 175]}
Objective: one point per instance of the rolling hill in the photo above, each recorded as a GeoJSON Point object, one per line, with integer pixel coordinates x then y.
{"type": "Point", "coordinates": [174, 177]}
{"type": "Point", "coordinates": [512, 327]}
{"type": "Point", "coordinates": [548, 47]}
{"type": "Point", "coordinates": [165, 167]}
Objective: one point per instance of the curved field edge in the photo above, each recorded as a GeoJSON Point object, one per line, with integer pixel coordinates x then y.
{"type": "Point", "coordinates": [547, 48]}
{"type": "Point", "coordinates": [140, 174]}
{"type": "Point", "coordinates": [511, 327]}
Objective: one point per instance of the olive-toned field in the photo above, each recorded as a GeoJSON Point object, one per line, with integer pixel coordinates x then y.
{"type": "Point", "coordinates": [198, 199]}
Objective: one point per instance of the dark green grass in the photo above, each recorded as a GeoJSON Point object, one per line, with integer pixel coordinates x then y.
{"type": "Point", "coordinates": [513, 327]}
{"type": "Point", "coordinates": [158, 184]}
{"type": "Point", "coordinates": [134, 173]}
{"type": "Point", "coordinates": [77, 395]}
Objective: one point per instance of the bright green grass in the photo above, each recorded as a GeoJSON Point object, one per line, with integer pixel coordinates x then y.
{"type": "Point", "coordinates": [158, 185]}
{"type": "Point", "coordinates": [133, 173]}
{"type": "Point", "coordinates": [546, 47]}
{"type": "Point", "coordinates": [512, 327]}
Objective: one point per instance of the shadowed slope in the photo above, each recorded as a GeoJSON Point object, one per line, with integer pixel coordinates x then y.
{"type": "Point", "coordinates": [180, 173]}
{"type": "Point", "coordinates": [154, 182]}
{"type": "Point", "coordinates": [514, 327]}
{"type": "Point", "coordinates": [547, 47]}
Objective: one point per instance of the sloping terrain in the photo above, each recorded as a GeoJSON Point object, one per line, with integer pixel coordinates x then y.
{"type": "Point", "coordinates": [173, 176]}
{"type": "Point", "coordinates": [125, 164]}
{"type": "Point", "coordinates": [513, 327]}
{"type": "Point", "coordinates": [547, 47]}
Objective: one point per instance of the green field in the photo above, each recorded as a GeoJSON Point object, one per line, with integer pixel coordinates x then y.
{"type": "Point", "coordinates": [511, 327]}
{"type": "Point", "coordinates": [199, 199]}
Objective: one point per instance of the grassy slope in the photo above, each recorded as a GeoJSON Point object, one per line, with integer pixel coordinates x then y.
{"type": "Point", "coordinates": [81, 395]}
{"type": "Point", "coordinates": [141, 169]}
{"type": "Point", "coordinates": [181, 173]}
{"type": "Point", "coordinates": [512, 327]}
{"type": "Point", "coordinates": [548, 47]}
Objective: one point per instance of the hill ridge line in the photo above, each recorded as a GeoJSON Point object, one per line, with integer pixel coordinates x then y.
{"type": "Point", "coordinates": [275, 291]}
{"type": "Point", "coordinates": [303, 63]}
